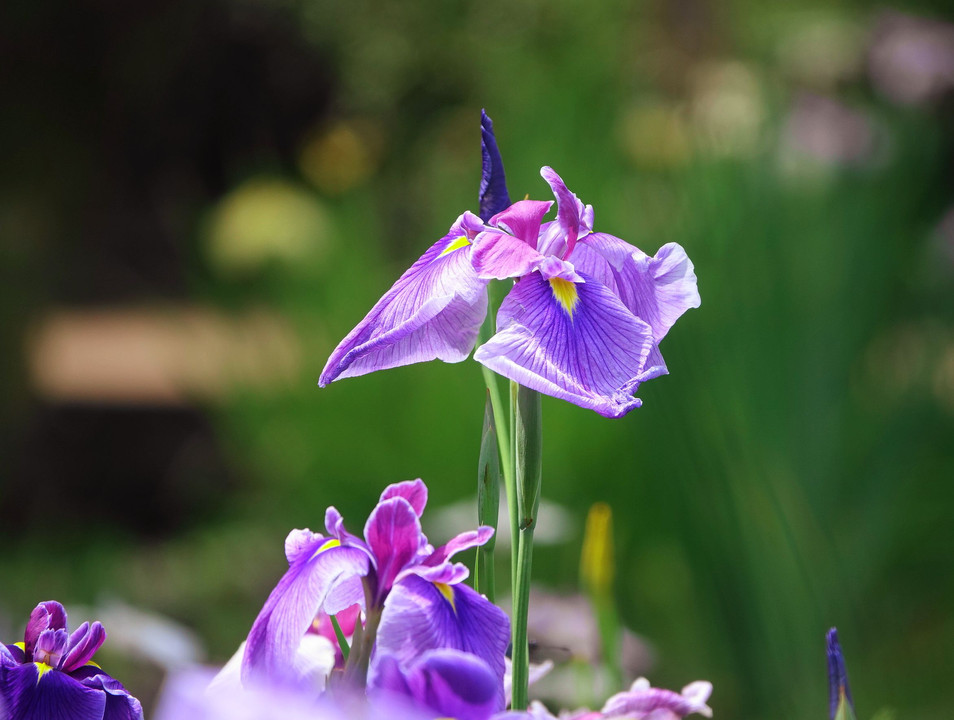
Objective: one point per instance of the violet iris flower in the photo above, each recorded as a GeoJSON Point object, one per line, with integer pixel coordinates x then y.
{"type": "Point", "coordinates": [583, 321]}
{"type": "Point", "coordinates": [51, 673]}
{"type": "Point", "coordinates": [411, 591]}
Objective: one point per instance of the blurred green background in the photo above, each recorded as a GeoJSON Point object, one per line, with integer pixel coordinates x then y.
{"type": "Point", "coordinates": [199, 198]}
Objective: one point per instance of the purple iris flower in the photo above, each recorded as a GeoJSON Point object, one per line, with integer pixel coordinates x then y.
{"type": "Point", "coordinates": [51, 673]}
{"type": "Point", "coordinates": [583, 321]}
{"type": "Point", "coordinates": [411, 593]}
{"type": "Point", "coordinates": [588, 310]}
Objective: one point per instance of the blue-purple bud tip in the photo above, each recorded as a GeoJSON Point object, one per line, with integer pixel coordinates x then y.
{"type": "Point", "coordinates": [493, 183]}
{"type": "Point", "coordinates": [837, 675]}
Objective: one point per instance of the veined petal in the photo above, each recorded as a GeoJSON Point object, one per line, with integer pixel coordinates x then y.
{"type": "Point", "coordinates": [120, 705]}
{"type": "Point", "coordinates": [522, 219]}
{"type": "Point", "coordinates": [393, 533]}
{"type": "Point", "coordinates": [576, 342]}
{"type": "Point", "coordinates": [450, 683]}
{"type": "Point", "coordinates": [656, 289]}
{"type": "Point", "coordinates": [83, 644]}
{"type": "Point", "coordinates": [463, 541]}
{"type": "Point", "coordinates": [418, 617]}
{"type": "Point", "coordinates": [414, 491]}
{"type": "Point", "coordinates": [48, 615]}
{"type": "Point", "coordinates": [569, 212]}
{"type": "Point", "coordinates": [328, 577]}
{"type": "Point", "coordinates": [493, 182]}
{"type": "Point", "coordinates": [32, 696]}
{"type": "Point", "coordinates": [497, 255]}
{"type": "Point", "coordinates": [434, 311]}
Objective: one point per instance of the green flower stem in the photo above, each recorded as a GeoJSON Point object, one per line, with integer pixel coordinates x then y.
{"type": "Point", "coordinates": [504, 430]}
{"type": "Point", "coordinates": [488, 502]}
{"type": "Point", "coordinates": [527, 448]}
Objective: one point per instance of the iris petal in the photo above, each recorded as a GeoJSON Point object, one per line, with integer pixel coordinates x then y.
{"type": "Point", "coordinates": [414, 491]}
{"type": "Point", "coordinates": [54, 695]}
{"type": "Point", "coordinates": [329, 580]}
{"type": "Point", "coordinates": [592, 357]}
{"type": "Point", "coordinates": [417, 617]}
{"type": "Point", "coordinates": [393, 532]}
{"type": "Point", "coordinates": [433, 311]}
{"type": "Point", "coordinates": [450, 683]}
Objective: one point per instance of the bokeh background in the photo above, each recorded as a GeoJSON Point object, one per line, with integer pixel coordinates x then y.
{"type": "Point", "coordinates": [199, 198]}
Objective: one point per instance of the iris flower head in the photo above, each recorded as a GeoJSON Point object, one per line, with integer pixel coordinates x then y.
{"type": "Point", "coordinates": [51, 674]}
{"type": "Point", "coordinates": [414, 590]}
{"type": "Point", "coordinates": [582, 322]}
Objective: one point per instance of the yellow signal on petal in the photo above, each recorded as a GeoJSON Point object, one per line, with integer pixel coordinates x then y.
{"type": "Point", "coordinates": [565, 293]}
{"type": "Point", "coordinates": [457, 244]}
{"type": "Point", "coordinates": [21, 645]}
{"type": "Point", "coordinates": [41, 670]}
{"type": "Point", "coordinates": [448, 592]}
{"type": "Point", "coordinates": [327, 545]}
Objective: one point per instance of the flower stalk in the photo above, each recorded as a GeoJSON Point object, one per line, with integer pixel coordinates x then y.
{"type": "Point", "coordinates": [488, 502]}
{"type": "Point", "coordinates": [528, 441]}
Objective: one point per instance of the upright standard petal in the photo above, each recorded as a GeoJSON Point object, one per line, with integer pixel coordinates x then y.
{"type": "Point", "coordinates": [330, 571]}
{"type": "Point", "coordinates": [420, 616]}
{"type": "Point", "coordinates": [493, 183]}
{"type": "Point", "coordinates": [574, 341]}
{"type": "Point", "coordinates": [434, 311]}
{"type": "Point", "coordinates": [414, 491]}
{"type": "Point", "coordinates": [393, 532]}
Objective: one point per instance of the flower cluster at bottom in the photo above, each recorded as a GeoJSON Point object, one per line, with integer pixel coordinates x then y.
{"type": "Point", "coordinates": [423, 645]}
{"type": "Point", "coordinates": [51, 674]}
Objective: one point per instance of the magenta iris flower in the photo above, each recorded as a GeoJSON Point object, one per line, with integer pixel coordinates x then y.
{"type": "Point", "coordinates": [583, 321]}
{"type": "Point", "coordinates": [51, 673]}
{"type": "Point", "coordinates": [414, 590]}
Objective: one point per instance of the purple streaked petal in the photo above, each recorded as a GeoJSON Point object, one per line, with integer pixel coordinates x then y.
{"type": "Point", "coordinates": [393, 533]}
{"type": "Point", "coordinates": [414, 491]}
{"type": "Point", "coordinates": [84, 643]}
{"type": "Point", "coordinates": [334, 525]}
{"type": "Point", "coordinates": [463, 541]}
{"type": "Point", "coordinates": [522, 220]}
{"type": "Point", "coordinates": [642, 701]}
{"type": "Point", "coordinates": [450, 683]}
{"type": "Point", "coordinates": [493, 182]}
{"type": "Point", "coordinates": [328, 577]}
{"type": "Point", "coordinates": [446, 573]}
{"type": "Point", "coordinates": [8, 658]}
{"type": "Point", "coordinates": [418, 617]}
{"type": "Point", "coordinates": [302, 542]}
{"type": "Point", "coordinates": [591, 356]}
{"type": "Point", "coordinates": [433, 311]}
{"type": "Point", "coordinates": [553, 267]}
{"type": "Point", "coordinates": [46, 615]}
{"type": "Point", "coordinates": [120, 705]}
{"type": "Point", "coordinates": [50, 647]}
{"type": "Point", "coordinates": [569, 211]}
{"type": "Point", "coordinates": [497, 255]}
{"type": "Point", "coordinates": [31, 696]}
{"type": "Point", "coordinates": [656, 289]}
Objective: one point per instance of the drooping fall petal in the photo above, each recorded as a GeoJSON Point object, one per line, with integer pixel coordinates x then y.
{"type": "Point", "coordinates": [433, 311]}
{"type": "Point", "coordinates": [574, 341]}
